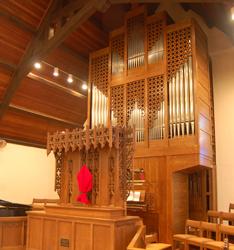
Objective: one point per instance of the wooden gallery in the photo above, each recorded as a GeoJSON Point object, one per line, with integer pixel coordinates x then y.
{"type": "Point", "coordinates": [120, 95]}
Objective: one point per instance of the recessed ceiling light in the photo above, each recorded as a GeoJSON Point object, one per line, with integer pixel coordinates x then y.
{"type": "Point", "coordinates": [37, 65]}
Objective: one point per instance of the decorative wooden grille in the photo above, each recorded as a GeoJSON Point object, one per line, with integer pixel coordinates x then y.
{"type": "Point", "coordinates": [59, 155]}
{"type": "Point", "coordinates": [155, 90]}
{"type": "Point", "coordinates": [155, 41]}
{"type": "Point", "coordinates": [117, 54]}
{"type": "Point", "coordinates": [135, 96]}
{"type": "Point", "coordinates": [178, 49]}
{"type": "Point", "coordinates": [99, 73]}
{"type": "Point", "coordinates": [135, 39]}
{"type": "Point", "coordinates": [117, 104]}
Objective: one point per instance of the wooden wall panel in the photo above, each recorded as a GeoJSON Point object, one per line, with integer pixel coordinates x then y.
{"type": "Point", "coordinates": [205, 143]}
{"type": "Point", "coordinates": [64, 233]}
{"type": "Point", "coordinates": [34, 239]}
{"type": "Point", "coordinates": [49, 235]}
{"type": "Point", "coordinates": [98, 232]}
{"type": "Point", "coordinates": [13, 233]}
{"type": "Point", "coordinates": [83, 234]}
{"type": "Point", "coordinates": [180, 201]}
{"type": "Point", "coordinates": [74, 232]}
{"type": "Point", "coordinates": [204, 123]}
{"type": "Point", "coordinates": [203, 96]}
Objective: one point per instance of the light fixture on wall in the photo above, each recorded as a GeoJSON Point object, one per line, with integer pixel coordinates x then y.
{"type": "Point", "coordinates": [232, 13]}
{"type": "Point", "coordinates": [70, 78]}
{"type": "Point", "coordinates": [56, 72]}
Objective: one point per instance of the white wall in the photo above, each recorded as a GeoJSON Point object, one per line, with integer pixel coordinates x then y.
{"type": "Point", "coordinates": [223, 75]}
{"type": "Point", "coordinates": [26, 173]}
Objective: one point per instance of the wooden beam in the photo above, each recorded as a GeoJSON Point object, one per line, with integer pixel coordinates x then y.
{"type": "Point", "coordinates": [55, 85]}
{"type": "Point", "coordinates": [8, 65]}
{"type": "Point", "coordinates": [68, 9]}
{"type": "Point", "coordinates": [17, 22]}
{"type": "Point", "coordinates": [44, 116]}
{"type": "Point", "coordinates": [41, 46]}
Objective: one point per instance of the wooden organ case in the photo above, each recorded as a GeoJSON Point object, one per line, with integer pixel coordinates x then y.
{"type": "Point", "coordinates": [155, 76]}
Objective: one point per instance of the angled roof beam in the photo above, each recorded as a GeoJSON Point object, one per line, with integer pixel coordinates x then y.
{"type": "Point", "coordinates": [41, 46]}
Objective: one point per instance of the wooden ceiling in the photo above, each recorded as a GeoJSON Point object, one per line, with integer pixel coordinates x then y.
{"type": "Point", "coordinates": [34, 102]}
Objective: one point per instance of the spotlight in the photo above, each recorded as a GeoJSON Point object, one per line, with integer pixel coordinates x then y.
{"type": "Point", "coordinates": [56, 72]}
{"type": "Point", "coordinates": [84, 86]}
{"type": "Point", "coordinates": [232, 13]}
{"type": "Point", "coordinates": [37, 65]}
{"type": "Point", "coordinates": [70, 78]}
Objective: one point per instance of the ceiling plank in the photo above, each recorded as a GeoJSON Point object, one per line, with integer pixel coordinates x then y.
{"type": "Point", "coordinates": [17, 22]}
{"type": "Point", "coordinates": [40, 47]}
{"type": "Point", "coordinates": [45, 116]}
{"type": "Point", "coordinates": [7, 65]}
{"type": "Point", "coordinates": [72, 52]}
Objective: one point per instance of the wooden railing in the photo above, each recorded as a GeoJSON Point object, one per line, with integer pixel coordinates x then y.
{"type": "Point", "coordinates": [138, 241]}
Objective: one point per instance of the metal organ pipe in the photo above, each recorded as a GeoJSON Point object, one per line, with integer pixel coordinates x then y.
{"type": "Point", "coordinates": [157, 131]}
{"type": "Point", "coordinates": [191, 95]}
{"type": "Point", "coordinates": [181, 101]}
{"type": "Point", "coordinates": [99, 108]}
{"type": "Point", "coordinates": [155, 54]}
{"type": "Point", "coordinates": [136, 43]}
{"type": "Point", "coordinates": [137, 120]}
{"type": "Point", "coordinates": [182, 116]}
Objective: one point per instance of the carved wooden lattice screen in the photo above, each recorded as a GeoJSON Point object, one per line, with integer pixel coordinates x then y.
{"type": "Point", "coordinates": [155, 89]}
{"type": "Point", "coordinates": [117, 105]}
{"type": "Point", "coordinates": [180, 82]}
{"type": "Point", "coordinates": [117, 54]}
{"type": "Point", "coordinates": [99, 83]}
{"type": "Point", "coordinates": [136, 107]}
{"type": "Point", "coordinates": [155, 41]}
{"type": "Point", "coordinates": [135, 40]}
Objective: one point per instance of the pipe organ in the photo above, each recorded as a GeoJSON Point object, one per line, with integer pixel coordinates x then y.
{"type": "Point", "coordinates": [147, 74]}
{"type": "Point", "coordinates": [155, 76]}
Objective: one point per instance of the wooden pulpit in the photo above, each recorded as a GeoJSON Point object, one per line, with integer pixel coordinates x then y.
{"type": "Point", "coordinates": [102, 224]}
